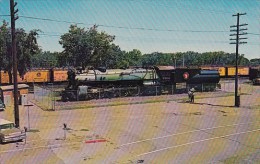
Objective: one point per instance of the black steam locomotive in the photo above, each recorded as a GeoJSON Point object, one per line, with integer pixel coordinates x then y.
{"type": "Point", "coordinates": [108, 83]}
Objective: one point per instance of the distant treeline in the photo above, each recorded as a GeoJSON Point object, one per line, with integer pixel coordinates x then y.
{"type": "Point", "coordinates": [125, 59]}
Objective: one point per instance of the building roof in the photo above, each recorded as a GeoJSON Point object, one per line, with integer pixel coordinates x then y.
{"type": "Point", "coordinates": [3, 121]}
{"type": "Point", "coordinates": [11, 87]}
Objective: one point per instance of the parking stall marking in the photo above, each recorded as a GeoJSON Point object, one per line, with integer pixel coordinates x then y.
{"type": "Point", "coordinates": [190, 143]}
{"type": "Point", "coordinates": [192, 131]}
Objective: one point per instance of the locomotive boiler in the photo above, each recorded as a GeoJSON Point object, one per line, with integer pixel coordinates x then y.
{"type": "Point", "coordinates": [101, 82]}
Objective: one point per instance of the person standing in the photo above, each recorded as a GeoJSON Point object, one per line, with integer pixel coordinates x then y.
{"type": "Point", "coordinates": [192, 95]}
{"type": "Point", "coordinates": [189, 95]}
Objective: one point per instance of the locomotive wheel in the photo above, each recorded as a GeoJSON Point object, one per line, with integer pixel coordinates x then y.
{"type": "Point", "coordinates": [130, 92]}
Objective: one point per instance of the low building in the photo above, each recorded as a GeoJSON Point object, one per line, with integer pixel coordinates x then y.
{"type": "Point", "coordinates": [7, 93]}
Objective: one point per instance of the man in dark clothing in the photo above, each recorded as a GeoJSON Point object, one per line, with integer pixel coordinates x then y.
{"type": "Point", "coordinates": [191, 95]}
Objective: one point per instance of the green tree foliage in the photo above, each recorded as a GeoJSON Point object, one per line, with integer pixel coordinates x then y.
{"type": "Point", "coordinates": [133, 57]}
{"type": "Point", "coordinates": [157, 58]}
{"type": "Point", "coordinates": [26, 46]}
{"type": "Point", "coordinates": [85, 47]}
{"type": "Point", "coordinates": [46, 59]}
{"type": "Point", "coordinates": [193, 59]}
{"type": "Point", "coordinates": [255, 62]}
{"type": "Point", "coordinates": [115, 58]}
{"type": "Point", "coordinates": [5, 48]}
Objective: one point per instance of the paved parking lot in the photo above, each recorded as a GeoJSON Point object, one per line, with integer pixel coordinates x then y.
{"type": "Point", "coordinates": [172, 131]}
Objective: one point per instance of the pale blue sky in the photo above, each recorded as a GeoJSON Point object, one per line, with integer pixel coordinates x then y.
{"type": "Point", "coordinates": [147, 25]}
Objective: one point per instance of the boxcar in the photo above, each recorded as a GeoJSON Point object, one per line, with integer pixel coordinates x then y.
{"type": "Point", "coordinates": [242, 71]}
{"type": "Point", "coordinates": [59, 75]}
{"type": "Point", "coordinates": [4, 77]}
{"type": "Point", "coordinates": [37, 76]}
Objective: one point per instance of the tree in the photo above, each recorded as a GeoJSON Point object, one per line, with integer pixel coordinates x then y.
{"type": "Point", "coordinates": [4, 49]}
{"type": "Point", "coordinates": [85, 47]}
{"type": "Point", "coordinates": [255, 62]}
{"type": "Point", "coordinates": [26, 47]}
{"type": "Point", "coordinates": [115, 58]}
{"type": "Point", "coordinates": [46, 59]}
{"type": "Point", "coordinates": [133, 57]}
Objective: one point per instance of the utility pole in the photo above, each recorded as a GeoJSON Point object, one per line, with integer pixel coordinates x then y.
{"type": "Point", "coordinates": [238, 33]}
{"type": "Point", "coordinates": [183, 60]}
{"type": "Point", "coordinates": [14, 17]}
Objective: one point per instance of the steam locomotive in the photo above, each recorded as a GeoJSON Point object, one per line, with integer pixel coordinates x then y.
{"type": "Point", "coordinates": [101, 82]}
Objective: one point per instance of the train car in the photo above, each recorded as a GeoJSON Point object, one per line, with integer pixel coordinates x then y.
{"type": "Point", "coordinates": [229, 71]}
{"type": "Point", "coordinates": [4, 77]}
{"type": "Point", "coordinates": [242, 71]}
{"type": "Point", "coordinates": [37, 76]}
{"type": "Point", "coordinates": [166, 74]}
{"type": "Point", "coordinates": [58, 75]}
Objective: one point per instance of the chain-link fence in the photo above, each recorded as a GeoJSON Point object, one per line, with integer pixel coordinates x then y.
{"type": "Point", "coordinates": [50, 97]}
{"type": "Point", "coordinates": [45, 96]}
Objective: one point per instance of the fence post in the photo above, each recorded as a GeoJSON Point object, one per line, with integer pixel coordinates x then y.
{"type": "Point", "coordinates": [77, 95]}
{"type": "Point", "coordinates": [33, 90]}
{"type": "Point", "coordinates": [54, 103]}
{"type": "Point", "coordinates": [42, 95]}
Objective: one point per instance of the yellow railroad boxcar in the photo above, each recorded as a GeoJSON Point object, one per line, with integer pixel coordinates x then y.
{"type": "Point", "coordinates": [4, 77]}
{"type": "Point", "coordinates": [242, 71]}
{"type": "Point", "coordinates": [37, 76]}
{"type": "Point", "coordinates": [20, 79]}
{"type": "Point", "coordinates": [60, 75]}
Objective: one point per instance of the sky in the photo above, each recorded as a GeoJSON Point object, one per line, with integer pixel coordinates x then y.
{"type": "Point", "coordinates": [167, 26]}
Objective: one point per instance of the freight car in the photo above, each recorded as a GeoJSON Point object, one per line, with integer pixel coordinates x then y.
{"type": "Point", "coordinates": [254, 75]}
{"type": "Point", "coordinates": [101, 82]}
{"type": "Point", "coordinates": [54, 75]}
{"type": "Point", "coordinates": [229, 71]}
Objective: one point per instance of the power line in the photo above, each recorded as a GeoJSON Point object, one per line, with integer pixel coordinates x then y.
{"type": "Point", "coordinates": [252, 33]}
{"type": "Point", "coordinates": [124, 27]}
{"type": "Point", "coordinates": [130, 28]}
{"type": "Point", "coordinates": [52, 20]}
{"type": "Point", "coordinates": [5, 15]}
{"type": "Point", "coordinates": [160, 39]}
